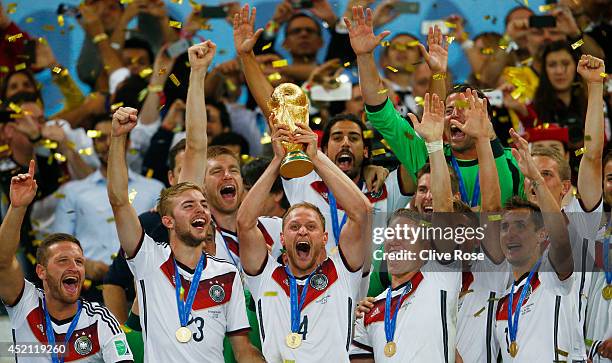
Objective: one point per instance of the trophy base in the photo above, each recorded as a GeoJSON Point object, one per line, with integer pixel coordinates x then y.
{"type": "Point", "coordinates": [296, 164]}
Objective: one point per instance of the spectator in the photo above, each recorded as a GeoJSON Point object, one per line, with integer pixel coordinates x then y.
{"type": "Point", "coordinates": [277, 204]}
{"type": "Point", "coordinates": [12, 46]}
{"type": "Point", "coordinates": [231, 140]}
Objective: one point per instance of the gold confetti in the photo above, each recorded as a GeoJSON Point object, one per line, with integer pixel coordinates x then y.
{"type": "Point", "coordinates": [149, 174]}
{"type": "Point", "coordinates": [346, 64]}
{"type": "Point", "coordinates": [20, 66]}
{"type": "Point", "coordinates": [4, 69]}
{"type": "Point", "coordinates": [125, 2]}
{"type": "Point", "coordinates": [368, 134]}
{"type": "Point", "coordinates": [59, 157]}
{"type": "Point", "coordinates": [527, 61]}
{"type": "Point", "coordinates": [316, 120]}
{"type": "Point", "coordinates": [4, 148]}
{"type": "Point", "coordinates": [385, 143]}
{"type": "Point", "coordinates": [267, 46]}
{"type": "Point", "coordinates": [155, 88]}
{"type": "Point", "coordinates": [603, 75]}
{"type": "Point", "coordinates": [36, 242]}
{"type": "Point", "coordinates": [461, 104]}
{"type": "Point", "coordinates": [477, 314]}
{"type": "Point", "coordinates": [49, 144]}
{"type": "Point", "coordinates": [487, 51]}
{"type": "Point", "coordinates": [142, 94]}
{"type": "Point", "coordinates": [180, 2]}
{"type": "Point", "coordinates": [60, 20]}
{"type": "Point", "coordinates": [383, 91]}
{"type": "Point", "coordinates": [57, 70]}
{"type": "Point", "coordinates": [246, 158]}
{"type": "Point", "coordinates": [580, 151]}
{"type": "Point", "coordinates": [450, 40]}
{"type": "Point", "coordinates": [547, 7]}
{"type": "Point", "coordinates": [29, 20]}
{"type": "Point", "coordinates": [132, 195]}
{"type": "Point", "coordinates": [274, 76]}
{"type": "Point", "coordinates": [59, 195]}
{"type": "Point", "coordinates": [11, 8]}
{"type": "Point", "coordinates": [378, 152]}
{"type": "Point", "coordinates": [546, 125]}
{"type": "Point", "coordinates": [175, 80]}
{"type": "Point", "coordinates": [175, 24]}
{"type": "Point", "coordinates": [162, 70]}
{"type": "Point", "coordinates": [13, 38]}
{"type": "Point", "coordinates": [265, 139]}
{"type": "Point", "coordinates": [110, 220]}
{"type": "Point", "coordinates": [279, 63]}
{"type": "Point", "coordinates": [145, 72]}
{"type": "Point", "coordinates": [419, 100]}
{"type": "Point", "coordinates": [517, 92]}
{"type": "Point", "coordinates": [409, 68]}
{"type": "Point", "coordinates": [495, 217]}
{"type": "Point", "coordinates": [92, 134]}
{"type": "Point", "coordinates": [133, 151]}
{"type": "Point", "coordinates": [271, 293]}
{"type": "Point", "coordinates": [392, 69]}
{"type": "Point", "coordinates": [526, 2]}
{"type": "Point", "coordinates": [450, 25]}
{"type": "Point", "coordinates": [385, 43]}
{"type": "Point", "coordinates": [438, 76]}
{"type": "Point", "coordinates": [86, 151]}
{"type": "Point", "coordinates": [115, 106]}
{"type": "Point", "coordinates": [414, 43]}
{"type": "Point", "coordinates": [30, 256]}
{"type": "Point", "coordinates": [15, 107]}
{"type": "Point", "coordinates": [587, 138]}
{"type": "Point", "coordinates": [578, 44]}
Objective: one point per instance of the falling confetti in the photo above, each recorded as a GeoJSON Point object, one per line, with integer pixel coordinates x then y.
{"type": "Point", "coordinates": [86, 151]}
{"type": "Point", "coordinates": [13, 38]}
{"type": "Point", "coordinates": [495, 217]}
{"type": "Point", "coordinates": [132, 195]}
{"type": "Point", "coordinates": [94, 133]}
{"type": "Point", "coordinates": [317, 120]}
{"type": "Point", "coordinates": [175, 24]}
{"type": "Point", "coordinates": [279, 63]}
{"type": "Point", "coordinates": [392, 69]}
{"type": "Point", "coordinates": [383, 91]}
{"type": "Point", "coordinates": [346, 64]}
{"type": "Point", "coordinates": [378, 152]}
{"type": "Point", "coordinates": [20, 66]}
{"type": "Point", "coordinates": [145, 72]}
{"type": "Point", "coordinates": [368, 134]}
{"type": "Point", "coordinates": [115, 106]}
{"type": "Point", "coordinates": [175, 80]}
{"type": "Point", "coordinates": [59, 157]}
{"type": "Point", "coordinates": [580, 151]}
{"type": "Point", "coordinates": [274, 76]}
{"type": "Point", "coordinates": [578, 44]}
{"type": "Point", "coordinates": [60, 20]}
{"type": "Point", "coordinates": [546, 8]}
{"type": "Point", "coordinates": [4, 148]}
{"type": "Point", "coordinates": [149, 174]}
{"type": "Point", "coordinates": [267, 46]}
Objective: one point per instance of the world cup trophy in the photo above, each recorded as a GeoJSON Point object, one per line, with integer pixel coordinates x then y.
{"type": "Point", "coordinates": [290, 106]}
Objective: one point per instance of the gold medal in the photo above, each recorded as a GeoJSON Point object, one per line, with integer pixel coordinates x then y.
{"type": "Point", "coordinates": [293, 340]}
{"type": "Point", "coordinates": [390, 349]}
{"type": "Point", "coordinates": [183, 334]}
{"type": "Point", "coordinates": [607, 292]}
{"type": "Point", "coordinates": [513, 349]}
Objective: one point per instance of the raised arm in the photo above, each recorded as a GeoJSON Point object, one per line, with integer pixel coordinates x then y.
{"type": "Point", "coordinates": [355, 235]}
{"type": "Point", "coordinates": [23, 191]}
{"type": "Point", "coordinates": [477, 125]}
{"type": "Point", "coordinates": [252, 245]}
{"type": "Point", "coordinates": [245, 38]}
{"type": "Point", "coordinates": [126, 218]}
{"type": "Point", "coordinates": [560, 250]}
{"type": "Point", "coordinates": [437, 60]}
{"type": "Point", "coordinates": [364, 42]}
{"type": "Point", "coordinates": [591, 69]}
{"type": "Point", "coordinates": [194, 164]}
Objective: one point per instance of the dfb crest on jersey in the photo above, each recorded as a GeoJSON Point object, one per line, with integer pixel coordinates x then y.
{"type": "Point", "coordinates": [83, 345]}
{"type": "Point", "coordinates": [318, 282]}
{"type": "Point", "coordinates": [216, 293]}
{"type": "Point", "coordinates": [376, 194]}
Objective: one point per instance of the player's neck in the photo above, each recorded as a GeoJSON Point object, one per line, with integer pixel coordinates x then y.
{"type": "Point", "coordinates": [225, 221]}
{"type": "Point", "coordinates": [299, 273]}
{"type": "Point", "coordinates": [60, 310]}
{"type": "Point", "coordinates": [519, 270]}
{"type": "Point", "coordinates": [398, 280]}
{"type": "Point", "coordinates": [469, 154]}
{"type": "Point", "coordinates": [186, 255]}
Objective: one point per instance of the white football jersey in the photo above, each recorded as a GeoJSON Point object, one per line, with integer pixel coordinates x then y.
{"type": "Point", "coordinates": [426, 321]}
{"type": "Point", "coordinates": [481, 288]}
{"type": "Point", "coordinates": [548, 319]}
{"type": "Point", "coordinates": [312, 189]}
{"type": "Point", "coordinates": [327, 316]}
{"type": "Point", "coordinates": [97, 337]}
{"type": "Point", "coordinates": [228, 246]}
{"type": "Point", "coordinates": [218, 309]}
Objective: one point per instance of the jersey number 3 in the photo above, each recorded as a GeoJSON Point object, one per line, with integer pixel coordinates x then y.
{"type": "Point", "coordinates": [198, 336]}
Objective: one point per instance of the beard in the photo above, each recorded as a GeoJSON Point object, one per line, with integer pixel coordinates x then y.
{"type": "Point", "coordinates": [54, 288]}
{"type": "Point", "coordinates": [188, 238]}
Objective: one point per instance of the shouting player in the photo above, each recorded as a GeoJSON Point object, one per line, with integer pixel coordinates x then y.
{"type": "Point", "coordinates": [54, 317]}
{"type": "Point", "coordinates": [305, 304]}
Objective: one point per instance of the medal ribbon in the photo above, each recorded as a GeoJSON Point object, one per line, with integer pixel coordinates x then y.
{"type": "Point", "coordinates": [391, 320]}
{"type": "Point", "coordinates": [297, 305]}
{"type": "Point", "coordinates": [333, 209]}
{"type": "Point", "coordinates": [184, 308]}
{"type": "Point", "coordinates": [606, 257]}
{"type": "Point", "coordinates": [513, 324]}
{"type": "Point", "coordinates": [51, 334]}
{"type": "Point", "coordinates": [462, 189]}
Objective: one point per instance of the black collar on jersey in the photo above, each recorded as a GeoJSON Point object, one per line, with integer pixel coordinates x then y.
{"type": "Point", "coordinates": [187, 268]}
{"type": "Point", "coordinates": [62, 321]}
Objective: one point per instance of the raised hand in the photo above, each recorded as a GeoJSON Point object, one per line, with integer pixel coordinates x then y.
{"type": "Point", "coordinates": [437, 57]}
{"type": "Point", "coordinates": [244, 35]}
{"type": "Point", "coordinates": [327, 73]}
{"type": "Point", "coordinates": [591, 68]}
{"type": "Point", "coordinates": [361, 31]}
{"type": "Point", "coordinates": [522, 155]}
{"type": "Point", "coordinates": [54, 132]}
{"type": "Point", "coordinates": [23, 188]}
{"type": "Point", "coordinates": [283, 12]}
{"type": "Point", "coordinates": [44, 55]}
{"type": "Point", "coordinates": [323, 10]}
{"type": "Point", "coordinates": [280, 134]}
{"type": "Point", "coordinates": [565, 21]}
{"type": "Point", "coordinates": [477, 122]}
{"type": "Point", "coordinates": [201, 55]}
{"type": "Point", "coordinates": [431, 126]}
{"type": "Point", "coordinates": [303, 134]}
{"type": "Point", "coordinates": [384, 13]}
{"type": "Point", "coordinates": [124, 120]}
{"type": "Point", "coordinates": [375, 177]}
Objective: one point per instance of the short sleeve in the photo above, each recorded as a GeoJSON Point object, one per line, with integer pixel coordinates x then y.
{"type": "Point", "coordinates": [254, 283]}
{"type": "Point", "coordinates": [294, 188]}
{"type": "Point", "coordinates": [550, 280]}
{"type": "Point", "coordinates": [115, 347]}
{"type": "Point", "coordinates": [28, 301]}
{"type": "Point", "coordinates": [147, 253]}
{"type": "Point", "coordinates": [447, 277]}
{"type": "Point", "coordinates": [361, 345]}
{"type": "Point", "coordinates": [236, 310]}
{"type": "Point", "coordinates": [351, 279]}
{"type": "Point", "coordinates": [585, 223]}
{"type": "Point", "coordinates": [395, 198]}
{"type": "Point", "coordinates": [490, 276]}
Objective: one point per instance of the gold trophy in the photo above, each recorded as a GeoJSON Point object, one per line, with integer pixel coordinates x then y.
{"type": "Point", "coordinates": [290, 106]}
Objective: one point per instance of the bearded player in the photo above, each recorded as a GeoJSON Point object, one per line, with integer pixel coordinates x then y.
{"type": "Point", "coordinates": [53, 317]}
{"type": "Point", "coordinates": [305, 306]}
{"type": "Point", "coordinates": [189, 300]}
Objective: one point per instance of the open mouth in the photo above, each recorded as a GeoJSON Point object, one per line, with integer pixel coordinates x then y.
{"type": "Point", "coordinates": [344, 160]}
{"type": "Point", "coordinates": [302, 249]}
{"type": "Point", "coordinates": [428, 209]}
{"type": "Point", "coordinates": [228, 192]}
{"type": "Point", "coordinates": [71, 284]}
{"type": "Point", "coordinates": [456, 133]}
{"type": "Point", "coordinates": [513, 246]}
{"type": "Point", "coordinates": [199, 223]}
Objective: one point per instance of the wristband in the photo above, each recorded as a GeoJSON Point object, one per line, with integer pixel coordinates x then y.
{"type": "Point", "coordinates": [434, 146]}
{"type": "Point", "coordinates": [155, 88]}
{"type": "Point", "coordinates": [438, 76]}
{"type": "Point", "coordinates": [100, 37]}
